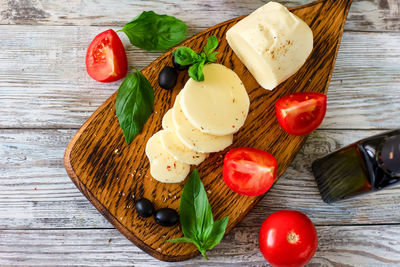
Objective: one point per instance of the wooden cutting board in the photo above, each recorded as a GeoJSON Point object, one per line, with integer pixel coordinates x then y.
{"type": "Point", "coordinates": [112, 174]}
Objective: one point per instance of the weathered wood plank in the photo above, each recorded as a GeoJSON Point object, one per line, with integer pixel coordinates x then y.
{"type": "Point", "coordinates": [104, 176]}
{"type": "Point", "coordinates": [43, 83]}
{"type": "Point", "coordinates": [43, 80]}
{"type": "Point", "coordinates": [32, 159]}
{"type": "Point", "coordinates": [365, 15]}
{"type": "Point", "coordinates": [338, 245]}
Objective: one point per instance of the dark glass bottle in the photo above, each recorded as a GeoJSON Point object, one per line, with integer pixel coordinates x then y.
{"type": "Point", "coordinates": [368, 165]}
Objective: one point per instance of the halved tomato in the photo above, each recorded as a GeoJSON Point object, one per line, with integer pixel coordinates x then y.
{"type": "Point", "coordinates": [249, 171]}
{"type": "Point", "coordinates": [105, 58]}
{"type": "Point", "coordinates": [301, 113]}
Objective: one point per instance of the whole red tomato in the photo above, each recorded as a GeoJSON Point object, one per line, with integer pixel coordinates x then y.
{"type": "Point", "coordinates": [105, 58]}
{"type": "Point", "coordinates": [288, 238]}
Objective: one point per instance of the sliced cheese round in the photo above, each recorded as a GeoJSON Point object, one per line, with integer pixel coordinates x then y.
{"type": "Point", "coordinates": [173, 145]}
{"type": "Point", "coordinates": [168, 170]}
{"type": "Point", "coordinates": [163, 166]}
{"type": "Point", "coordinates": [219, 104]}
{"type": "Point", "coordinates": [153, 147]}
{"type": "Point", "coordinates": [167, 123]}
{"type": "Point", "coordinates": [192, 137]}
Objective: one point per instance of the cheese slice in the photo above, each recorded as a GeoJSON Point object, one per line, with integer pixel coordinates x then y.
{"type": "Point", "coordinates": [153, 145]}
{"type": "Point", "coordinates": [173, 145]}
{"type": "Point", "coordinates": [272, 43]}
{"type": "Point", "coordinates": [219, 104]}
{"type": "Point", "coordinates": [163, 166]}
{"type": "Point", "coordinates": [192, 137]}
{"type": "Point", "coordinates": [167, 123]}
{"type": "Point", "coordinates": [169, 170]}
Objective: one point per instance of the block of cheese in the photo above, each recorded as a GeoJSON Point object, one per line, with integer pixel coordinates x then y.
{"type": "Point", "coordinates": [163, 166]}
{"type": "Point", "coordinates": [272, 43]}
{"type": "Point", "coordinates": [219, 104]}
{"type": "Point", "coordinates": [192, 137]}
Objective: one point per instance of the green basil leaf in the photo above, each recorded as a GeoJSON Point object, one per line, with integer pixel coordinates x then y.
{"type": "Point", "coordinates": [151, 31]}
{"type": "Point", "coordinates": [212, 43]}
{"type": "Point", "coordinates": [212, 57]}
{"type": "Point", "coordinates": [185, 56]}
{"type": "Point", "coordinates": [183, 240]}
{"type": "Point", "coordinates": [203, 252]}
{"type": "Point", "coordinates": [134, 104]}
{"type": "Point", "coordinates": [203, 57]}
{"type": "Point", "coordinates": [196, 217]}
{"type": "Point", "coordinates": [195, 210]}
{"type": "Point", "coordinates": [217, 233]}
{"type": "Point", "coordinates": [196, 71]}
{"type": "Point", "coordinates": [189, 240]}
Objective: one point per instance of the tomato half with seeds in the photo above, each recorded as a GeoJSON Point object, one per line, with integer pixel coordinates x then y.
{"type": "Point", "coordinates": [288, 238]}
{"type": "Point", "coordinates": [105, 58]}
{"type": "Point", "coordinates": [301, 113]}
{"type": "Point", "coordinates": [249, 171]}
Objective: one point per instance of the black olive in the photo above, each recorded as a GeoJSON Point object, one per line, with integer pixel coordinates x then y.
{"type": "Point", "coordinates": [166, 217]}
{"type": "Point", "coordinates": [144, 207]}
{"type": "Point", "coordinates": [178, 66]}
{"type": "Point", "coordinates": [167, 78]}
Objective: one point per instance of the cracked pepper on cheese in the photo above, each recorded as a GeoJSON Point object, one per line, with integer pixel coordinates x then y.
{"type": "Point", "coordinates": [219, 105]}
{"type": "Point", "coordinates": [193, 137]}
{"type": "Point", "coordinates": [272, 43]}
{"type": "Point", "coordinates": [163, 166]}
{"type": "Point", "coordinates": [173, 145]}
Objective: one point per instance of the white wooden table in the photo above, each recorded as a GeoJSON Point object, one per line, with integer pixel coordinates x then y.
{"type": "Point", "coordinates": [46, 94]}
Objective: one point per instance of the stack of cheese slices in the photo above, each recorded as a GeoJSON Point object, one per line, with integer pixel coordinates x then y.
{"type": "Point", "coordinates": [273, 44]}
{"type": "Point", "coordinates": [203, 120]}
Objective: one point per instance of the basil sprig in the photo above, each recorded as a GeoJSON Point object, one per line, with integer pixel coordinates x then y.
{"type": "Point", "coordinates": [151, 31]}
{"type": "Point", "coordinates": [134, 104]}
{"type": "Point", "coordinates": [196, 217]}
{"type": "Point", "coordinates": [186, 56]}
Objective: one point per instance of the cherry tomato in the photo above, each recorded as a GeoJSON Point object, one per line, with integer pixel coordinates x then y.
{"type": "Point", "coordinates": [301, 113]}
{"type": "Point", "coordinates": [249, 171]}
{"type": "Point", "coordinates": [288, 238]}
{"type": "Point", "coordinates": [105, 58]}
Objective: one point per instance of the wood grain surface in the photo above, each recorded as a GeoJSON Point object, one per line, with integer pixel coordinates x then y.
{"type": "Point", "coordinates": [338, 246]}
{"type": "Point", "coordinates": [109, 173]}
{"type": "Point", "coordinates": [35, 186]}
{"type": "Point", "coordinates": [46, 94]}
{"type": "Point", "coordinates": [64, 97]}
{"type": "Point", "coordinates": [365, 15]}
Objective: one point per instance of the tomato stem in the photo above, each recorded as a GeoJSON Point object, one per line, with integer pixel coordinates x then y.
{"type": "Point", "coordinates": [292, 237]}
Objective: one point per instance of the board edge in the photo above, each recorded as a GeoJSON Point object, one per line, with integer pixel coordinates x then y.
{"type": "Point", "coordinates": [100, 207]}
